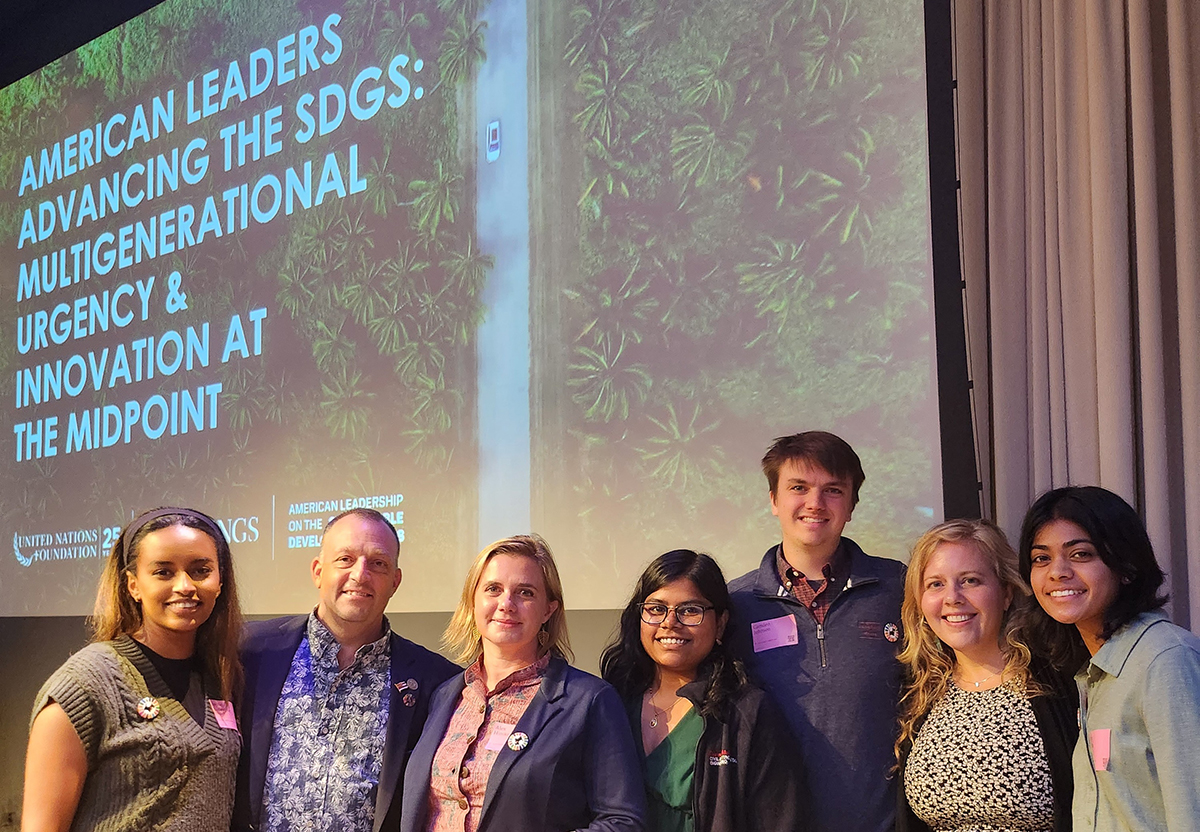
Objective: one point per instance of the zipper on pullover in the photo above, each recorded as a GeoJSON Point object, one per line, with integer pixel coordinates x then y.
{"type": "Point", "coordinates": [821, 643]}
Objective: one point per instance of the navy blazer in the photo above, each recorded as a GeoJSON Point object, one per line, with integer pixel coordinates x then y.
{"type": "Point", "coordinates": [579, 771]}
{"type": "Point", "coordinates": [267, 652]}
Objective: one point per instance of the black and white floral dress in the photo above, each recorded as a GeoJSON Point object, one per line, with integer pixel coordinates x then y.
{"type": "Point", "coordinates": [979, 764]}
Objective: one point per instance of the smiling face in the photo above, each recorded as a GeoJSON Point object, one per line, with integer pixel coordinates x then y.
{"type": "Point", "coordinates": [676, 649]}
{"type": "Point", "coordinates": [963, 600]}
{"type": "Point", "coordinates": [356, 575]}
{"type": "Point", "coordinates": [511, 605]}
{"type": "Point", "coordinates": [1070, 580]}
{"type": "Point", "coordinates": [813, 506]}
{"type": "Point", "coordinates": [176, 581]}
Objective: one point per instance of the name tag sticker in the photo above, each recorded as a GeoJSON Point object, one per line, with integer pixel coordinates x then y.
{"type": "Point", "coordinates": [774, 632]}
{"type": "Point", "coordinates": [499, 736]}
{"type": "Point", "coordinates": [1101, 748]}
{"type": "Point", "coordinates": [223, 711]}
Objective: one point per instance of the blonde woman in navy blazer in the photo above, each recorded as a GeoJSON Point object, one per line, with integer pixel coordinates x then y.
{"type": "Point", "coordinates": [568, 762]}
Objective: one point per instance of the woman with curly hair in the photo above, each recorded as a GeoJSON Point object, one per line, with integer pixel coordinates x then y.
{"type": "Point", "coordinates": [985, 730]}
{"type": "Point", "coordinates": [716, 755]}
{"type": "Point", "coordinates": [136, 731]}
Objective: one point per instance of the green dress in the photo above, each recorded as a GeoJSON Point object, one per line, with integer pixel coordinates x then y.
{"type": "Point", "coordinates": [668, 772]}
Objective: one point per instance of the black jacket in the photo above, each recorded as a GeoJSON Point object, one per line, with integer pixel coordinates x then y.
{"type": "Point", "coordinates": [748, 775]}
{"type": "Point", "coordinates": [1056, 714]}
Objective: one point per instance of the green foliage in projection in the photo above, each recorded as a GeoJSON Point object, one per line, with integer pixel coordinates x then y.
{"type": "Point", "coordinates": [462, 49]}
{"type": "Point", "coordinates": [373, 299]}
{"type": "Point", "coordinates": [751, 257]}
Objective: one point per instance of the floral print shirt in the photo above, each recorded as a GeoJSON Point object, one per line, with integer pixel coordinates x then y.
{"type": "Point", "coordinates": [327, 747]}
{"type": "Point", "coordinates": [482, 725]}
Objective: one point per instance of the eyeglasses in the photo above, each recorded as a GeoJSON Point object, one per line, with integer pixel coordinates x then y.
{"type": "Point", "coordinates": [689, 615]}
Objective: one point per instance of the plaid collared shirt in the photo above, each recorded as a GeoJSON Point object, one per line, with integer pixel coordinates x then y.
{"type": "Point", "coordinates": [481, 726]}
{"type": "Point", "coordinates": [818, 599]}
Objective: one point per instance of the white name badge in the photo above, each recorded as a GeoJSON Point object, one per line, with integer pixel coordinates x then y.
{"type": "Point", "coordinates": [498, 736]}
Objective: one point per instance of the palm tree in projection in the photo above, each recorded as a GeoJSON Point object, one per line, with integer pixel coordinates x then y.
{"type": "Point", "coordinates": [435, 200]}
{"type": "Point", "coordinates": [466, 267]}
{"type": "Point", "coordinates": [605, 102]}
{"type": "Point", "coordinates": [781, 277]}
{"type": "Point", "coordinates": [606, 381]}
{"type": "Point", "coordinates": [596, 25]}
{"type": "Point", "coordinates": [462, 51]}
{"type": "Point", "coordinates": [345, 404]}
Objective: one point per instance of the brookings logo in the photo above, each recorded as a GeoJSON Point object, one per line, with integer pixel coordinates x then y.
{"type": "Point", "coordinates": [75, 544]}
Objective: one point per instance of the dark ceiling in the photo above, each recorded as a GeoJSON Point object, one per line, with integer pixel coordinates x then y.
{"type": "Point", "coordinates": [35, 32]}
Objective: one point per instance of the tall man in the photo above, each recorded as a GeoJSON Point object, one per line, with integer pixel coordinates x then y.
{"type": "Point", "coordinates": [334, 700]}
{"type": "Point", "coordinates": [818, 624]}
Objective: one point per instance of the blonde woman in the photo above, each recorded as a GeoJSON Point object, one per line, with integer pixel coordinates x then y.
{"type": "Point", "coordinates": [520, 739]}
{"type": "Point", "coordinates": [985, 732]}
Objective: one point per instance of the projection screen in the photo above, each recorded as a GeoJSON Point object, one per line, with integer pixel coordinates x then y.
{"type": "Point", "coordinates": [487, 266]}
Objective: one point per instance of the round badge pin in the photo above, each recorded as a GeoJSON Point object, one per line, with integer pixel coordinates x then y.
{"type": "Point", "coordinates": [518, 740]}
{"type": "Point", "coordinates": [147, 707]}
{"type": "Point", "coordinates": [409, 700]}
{"type": "Point", "coordinates": [891, 632]}
{"type": "Point", "coordinates": [411, 684]}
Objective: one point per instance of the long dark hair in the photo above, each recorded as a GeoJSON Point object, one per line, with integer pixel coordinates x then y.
{"type": "Point", "coordinates": [1120, 538]}
{"type": "Point", "coordinates": [218, 639]}
{"type": "Point", "coordinates": [625, 664]}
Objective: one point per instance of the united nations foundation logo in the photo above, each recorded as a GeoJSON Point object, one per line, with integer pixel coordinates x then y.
{"type": "Point", "coordinates": [73, 544]}
{"type": "Point", "coordinates": [21, 558]}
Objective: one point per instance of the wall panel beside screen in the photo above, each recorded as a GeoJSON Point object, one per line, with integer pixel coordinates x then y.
{"type": "Point", "coordinates": [485, 265]}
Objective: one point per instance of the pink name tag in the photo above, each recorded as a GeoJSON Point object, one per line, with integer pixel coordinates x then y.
{"type": "Point", "coordinates": [1101, 748]}
{"type": "Point", "coordinates": [774, 632]}
{"type": "Point", "coordinates": [223, 711]}
{"type": "Point", "coordinates": [499, 736]}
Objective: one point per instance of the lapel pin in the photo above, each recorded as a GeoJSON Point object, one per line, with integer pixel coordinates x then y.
{"type": "Point", "coordinates": [518, 740]}
{"type": "Point", "coordinates": [407, 684]}
{"type": "Point", "coordinates": [147, 707]}
{"type": "Point", "coordinates": [409, 700]}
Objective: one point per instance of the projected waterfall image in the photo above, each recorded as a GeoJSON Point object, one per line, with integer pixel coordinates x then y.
{"type": "Point", "coordinates": [489, 267]}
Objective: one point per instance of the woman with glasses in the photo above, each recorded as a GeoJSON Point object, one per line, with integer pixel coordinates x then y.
{"type": "Point", "coordinates": [716, 755]}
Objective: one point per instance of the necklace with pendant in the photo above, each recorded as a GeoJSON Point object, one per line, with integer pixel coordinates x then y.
{"type": "Point", "coordinates": [659, 713]}
{"type": "Point", "coordinates": [984, 679]}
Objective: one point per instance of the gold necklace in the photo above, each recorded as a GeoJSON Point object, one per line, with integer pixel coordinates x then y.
{"type": "Point", "coordinates": [984, 679]}
{"type": "Point", "coordinates": [659, 712]}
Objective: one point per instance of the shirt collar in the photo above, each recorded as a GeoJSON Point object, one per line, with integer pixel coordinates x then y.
{"type": "Point", "coordinates": [527, 674]}
{"type": "Point", "coordinates": [1112, 655]}
{"type": "Point", "coordinates": [838, 565]}
{"type": "Point", "coordinates": [324, 647]}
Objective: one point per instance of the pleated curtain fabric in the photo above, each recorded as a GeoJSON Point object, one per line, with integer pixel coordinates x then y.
{"type": "Point", "coordinates": [1078, 138]}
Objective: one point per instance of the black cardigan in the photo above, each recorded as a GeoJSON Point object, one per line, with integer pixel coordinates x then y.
{"type": "Point", "coordinates": [748, 775]}
{"type": "Point", "coordinates": [1056, 714]}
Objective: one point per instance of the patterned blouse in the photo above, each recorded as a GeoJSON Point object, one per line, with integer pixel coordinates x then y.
{"type": "Point", "coordinates": [979, 764]}
{"type": "Point", "coordinates": [330, 726]}
{"type": "Point", "coordinates": [482, 724]}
